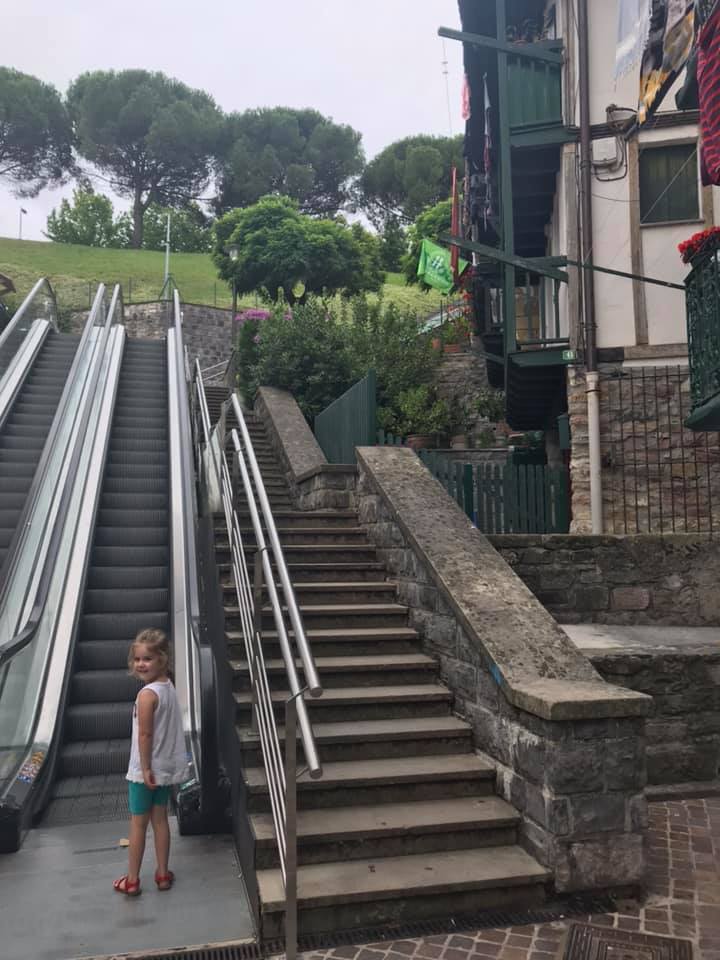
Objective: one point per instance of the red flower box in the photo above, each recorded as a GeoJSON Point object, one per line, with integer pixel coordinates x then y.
{"type": "Point", "coordinates": [704, 242]}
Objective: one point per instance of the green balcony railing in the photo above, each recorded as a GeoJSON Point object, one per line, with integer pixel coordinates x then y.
{"type": "Point", "coordinates": [349, 422]}
{"type": "Point", "coordinates": [534, 92]}
{"type": "Point", "coordinates": [703, 326]}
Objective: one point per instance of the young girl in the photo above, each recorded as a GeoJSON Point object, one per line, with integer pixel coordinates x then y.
{"type": "Point", "coordinates": [158, 758]}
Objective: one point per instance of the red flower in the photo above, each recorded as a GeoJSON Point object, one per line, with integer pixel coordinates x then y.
{"type": "Point", "coordinates": [699, 242]}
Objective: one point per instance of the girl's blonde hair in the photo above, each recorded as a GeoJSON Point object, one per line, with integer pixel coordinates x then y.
{"type": "Point", "coordinates": [157, 643]}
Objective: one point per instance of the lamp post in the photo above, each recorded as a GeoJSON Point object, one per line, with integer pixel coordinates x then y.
{"type": "Point", "coordinates": [233, 251]}
{"type": "Point", "coordinates": [22, 211]}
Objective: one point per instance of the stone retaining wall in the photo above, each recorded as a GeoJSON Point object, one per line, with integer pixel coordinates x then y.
{"type": "Point", "coordinates": [621, 580]}
{"type": "Point", "coordinates": [208, 331]}
{"type": "Point", "coordinates": [569, 749]}
{"type": "Point", "coordinates": [683, 731]}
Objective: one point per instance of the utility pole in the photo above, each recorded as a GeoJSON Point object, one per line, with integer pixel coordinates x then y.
{"type": "Point", "coordinates": [22, 211]}
{"type": "Point", "coordinates": [588, 279]}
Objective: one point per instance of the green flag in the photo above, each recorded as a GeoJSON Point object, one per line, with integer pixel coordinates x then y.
{"type": "Point", "coordinates": [434, 266]}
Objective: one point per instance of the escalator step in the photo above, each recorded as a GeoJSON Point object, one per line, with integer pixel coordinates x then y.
{"type": "Point", "coordinates": [102, 654]}
{"type": "Point", "coordinates": [130, 556]}
{"type": "Point", "coordinates": [125, 600]}
{"type": "Point", "coordinates": [23, 442]}
{"type": "Point", "coordinates": [12, 500]}
{"type": "Point", "coordinates": [156, 435]}
{"type": "Point", "coordinates": [148, 456]}
{"type": "Point", "coordinates": [131, 486]}
{"type": "Point", "coordinates": [94, 757]}
{"type": "Point", "coordinates": [120, 626]}
{"type": "Point", "coordinates": [99, 686]}
{"type": "Point", "coordinates": [134, 517]}
{"type": "Point", "coordinates": [131, 536]}
{"type": "Point", "coordinates": [127, 578]}
{"type": "Point", "coordinates": [99, 721]}
{"type": "Point", "coordinates": [137, 444]}
{"type": "Point", "coordinates": [131, 501]}
{"type": "Point", "coordinates": [119, 468]}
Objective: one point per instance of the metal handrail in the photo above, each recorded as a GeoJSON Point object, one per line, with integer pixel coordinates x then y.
{"type": "Point", "coordinates": [13, 645]}
{"type": "Point", "coordinates": [281, 772]}
{"type": "Point", "coordinates": [216, 373]}
{"type": "Point", "coordinates": [19, 314]}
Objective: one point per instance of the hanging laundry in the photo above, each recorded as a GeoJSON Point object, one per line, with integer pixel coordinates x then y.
{"type": "Point", "coordinates": [708, 76]}
{"type": "Point", "coordinates": [669, 43]}
{"type": "Point", "coordinates": [633, 29]}
{"type": "Point", "coordinates": [487, 155]}
{"type": "Point", "coordinates": [466, 109]}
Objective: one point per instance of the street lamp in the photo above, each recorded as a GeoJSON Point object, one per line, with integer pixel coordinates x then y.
{"type": "Point", "coordinates": [233, 251]}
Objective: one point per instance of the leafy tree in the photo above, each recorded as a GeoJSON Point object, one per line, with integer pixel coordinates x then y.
{"type": "Point", "coordinates": [281, 248]}
{"type": "Point", "coordinates": [295, 153]}
{"type": "Point", "coordinates": [303, 351]}
{"type": "Point", "coordinates": [153, 137]}
{"type": "Point", "coordinates": [393, 246]}
{"type": "Point", "coordinates": [190, 229]}
{"type": "Point", "coordinates": [408, 176]}
{"type": "Point", "coordinates": [35, 133]}
{"type": "Point", "coordinates": [88, 220]}
{"type": "Point", "coordinates": [430, 224]}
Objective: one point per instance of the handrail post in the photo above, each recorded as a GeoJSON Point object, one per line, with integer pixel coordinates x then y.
{"type": "Point", "coordinates": [291, 827]}
{"type": "Point", "coordinates": [257, 632]}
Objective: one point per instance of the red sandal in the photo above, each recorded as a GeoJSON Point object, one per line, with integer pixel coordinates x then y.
{"type": "Point", "coordinates": [166, 881]}
{"type": "Point", "coordinates": [131, 888]}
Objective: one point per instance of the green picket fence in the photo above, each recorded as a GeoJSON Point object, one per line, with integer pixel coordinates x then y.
{"type": "Point", "coordinates": [505, 498]}
{"type": "Point", "coordinates": [349, 422]}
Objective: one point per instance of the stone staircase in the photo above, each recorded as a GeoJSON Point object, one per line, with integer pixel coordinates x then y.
{"type": "Point", "coordinates": [404, 824]}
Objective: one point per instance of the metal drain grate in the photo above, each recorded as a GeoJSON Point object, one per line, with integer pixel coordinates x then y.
{"type": "Point", "coordinates": [556, 910]}
{"type": "Point", "coordinates": [586, 942]}
{"type": "Point", "coordinates": [229, 951]}
{"type": "Point", "coordinates": [99, 808]}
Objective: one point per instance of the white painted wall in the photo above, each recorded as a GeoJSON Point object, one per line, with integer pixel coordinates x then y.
{"type": "Point", "coordinates": [611, 204]}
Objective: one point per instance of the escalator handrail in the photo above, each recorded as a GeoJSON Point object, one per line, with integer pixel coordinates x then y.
{"type": "Point", "coordinates": [24, 306]}
{"type": "Point", "coordinates": [201, 715]}
{"type": "Point", "coordinates": [12, 553]}
{"type": "Point", "coordinates": [11, 647]}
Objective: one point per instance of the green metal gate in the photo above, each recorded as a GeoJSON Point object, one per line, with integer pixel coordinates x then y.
{"type": "Point", "coordinates": [349, 422]}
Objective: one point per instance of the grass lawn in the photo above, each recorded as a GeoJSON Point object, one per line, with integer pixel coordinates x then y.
{"type": "Point", "coordinates": [75, 271]}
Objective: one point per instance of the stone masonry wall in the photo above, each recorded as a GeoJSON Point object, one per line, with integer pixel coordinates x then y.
{"type": "Point", "coordinates": [657, 476]}
{"type": "Point", "coordinates": [462, 376]}
{"type": "Point", "coordinates": [569, 754]}
{"type": "Point", "coordinates": [207, 331]}
{"type": "Point", "coordinates": [633, 580]}
{"type": "Point", "coordinates": [683, 731]}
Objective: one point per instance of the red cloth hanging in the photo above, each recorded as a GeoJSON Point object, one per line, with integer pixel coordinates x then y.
{"type": "Point", "coordinates": [455, 226]}
{"type": "Point", "coordinates": [708, 74]}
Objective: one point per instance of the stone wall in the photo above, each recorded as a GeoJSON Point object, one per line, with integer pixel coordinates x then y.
{"type": "Point", "coordinates": [207, 331]}
{"type": "Point", "coordinates": [683, 731]}
{"type": "Point", "coordinates": [569, 749]}
{"type": "Point", "coordinates": [657, 476]}
{"type": "Point", "coordinates": [634, 580]}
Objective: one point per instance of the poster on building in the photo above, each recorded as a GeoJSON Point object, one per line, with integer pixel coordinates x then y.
{"type": "Point", "coordinates": [669, 43]}
{"type": "Point", "coordinates": [632, 34]}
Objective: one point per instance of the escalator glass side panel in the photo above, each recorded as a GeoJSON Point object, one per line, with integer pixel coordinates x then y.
{"type": "Point", "coordinates": [38, 305]}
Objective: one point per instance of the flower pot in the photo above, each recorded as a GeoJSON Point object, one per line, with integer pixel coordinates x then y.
{"type": "Point", "coordinates": [451, 348]}
{"type": "Point", "coordinates": [419, 441]}
{"type": "Point", "coordinates": [458, 442]}
{"type": "Point", "coordinates": [436, 343]}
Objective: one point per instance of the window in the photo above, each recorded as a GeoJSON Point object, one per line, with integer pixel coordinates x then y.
{"type": "Point", "coordinates": [669, 183]}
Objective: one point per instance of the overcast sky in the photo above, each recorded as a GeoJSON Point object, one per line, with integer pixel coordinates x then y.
{"type": "Point", "coordinates": [376, 64]}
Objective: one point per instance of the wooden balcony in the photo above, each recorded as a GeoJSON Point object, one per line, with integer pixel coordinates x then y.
{"type": "Point", "coordinates": [703, 325]}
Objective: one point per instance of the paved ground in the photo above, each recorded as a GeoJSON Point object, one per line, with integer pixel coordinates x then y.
{"type": "Point", "coordinates": [601, 638]}
{"type": "Point", "coordinates": [57, 901]}
{"type": "Point", "coordinates": [683, 900]}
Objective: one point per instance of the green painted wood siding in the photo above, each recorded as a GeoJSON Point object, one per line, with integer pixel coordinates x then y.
{"type": "Point", "coordinates": [534, 92]}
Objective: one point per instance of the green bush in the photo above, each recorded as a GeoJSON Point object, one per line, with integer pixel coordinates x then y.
{"type": "Point", "coordinates": [421, 412]}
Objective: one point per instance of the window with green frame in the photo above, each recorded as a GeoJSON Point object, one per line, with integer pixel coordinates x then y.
{"type": "Point", "coordinates": [669, 183]}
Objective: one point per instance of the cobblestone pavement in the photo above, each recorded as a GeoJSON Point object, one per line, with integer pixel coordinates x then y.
{"type": "Point", "coordinates": [682, 900]}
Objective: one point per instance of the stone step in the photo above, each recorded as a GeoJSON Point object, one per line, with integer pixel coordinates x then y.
{"type": "Point", "coordinates": [289, 536]}
{"type": "Point", "coordinates": [391, 830]}
{"type": "Point", "coordinates": [374, 739]}
{"type": "Point", "coordinates": [393, 669]}
{"type": "Point", "coordinates": [335, 593]}
{"type": "Point", "coordinates": [360, 703]}
{"type": "Point", "coordinates": [338, 642]}
{"type": "Point", "coordinates": [318, 572]}
{"type": "Point", "coordinates": [390, 780]}
{"type": "Point", "coordinates": [345, 615]}
{"type": "Point", "coordinates": [302, 518]}
{"type": "Point", "coordinates": [342, 895]}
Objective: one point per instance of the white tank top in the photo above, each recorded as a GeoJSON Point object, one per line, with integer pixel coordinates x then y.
{"type": "Point", "coordinates": [169, 756]}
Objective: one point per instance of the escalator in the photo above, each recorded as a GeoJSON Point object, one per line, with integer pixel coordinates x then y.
{"type": "Point", "coordinates": [25, 431]}
{"type": "Point", "coordinates": [127, 590]}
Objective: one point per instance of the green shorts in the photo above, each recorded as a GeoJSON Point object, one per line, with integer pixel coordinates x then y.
{"type": "Point", "coordinates": [142, 798]}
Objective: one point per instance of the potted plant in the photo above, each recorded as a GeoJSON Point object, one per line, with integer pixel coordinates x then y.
{"type": "Point", "coordinates": [456, 335]}
{"type": "Point", "coordinates": [422, 416]}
